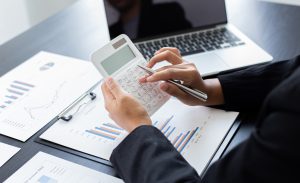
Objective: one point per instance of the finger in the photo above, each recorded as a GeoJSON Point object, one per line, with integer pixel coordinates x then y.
{"type": "Point", "coordinates": [114, 87]}
{"type": "Point", "coordinates": [107, 95]}
{"type": "Point", "coordinates": [173, 90]}
{"type": "Point", "coordinates": [165, 56]}
{"type": "Point", "coordinates": [106, 92]}
{"type": "Point", "coordinates": [170, 73]}
{"type": "Point", "coordinates": [143, 79]}
{"type": "Point", "coordinates": [178, 66]}
{"type": "Point", "coordinates": [172, 49]}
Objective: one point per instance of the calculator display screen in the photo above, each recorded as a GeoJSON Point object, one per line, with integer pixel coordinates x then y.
{"type": "Point", "coordinates": [118, 59]}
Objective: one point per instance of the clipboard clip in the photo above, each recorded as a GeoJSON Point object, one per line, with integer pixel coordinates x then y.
{"type": "Point", "coordinates": [67, 118]}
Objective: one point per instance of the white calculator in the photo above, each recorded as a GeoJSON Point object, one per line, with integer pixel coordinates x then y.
{"type": "Point", "coordinates": [119, 59]}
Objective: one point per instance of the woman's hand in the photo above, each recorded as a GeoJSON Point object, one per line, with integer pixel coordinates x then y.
{"type": "Point", "coordinates": [186, 72]}
{"type": "Point", "coordinates": [126, 111]}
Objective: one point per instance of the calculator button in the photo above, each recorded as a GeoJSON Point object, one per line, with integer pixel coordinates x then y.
{"type": "Point", "coordinates": [148, 94]}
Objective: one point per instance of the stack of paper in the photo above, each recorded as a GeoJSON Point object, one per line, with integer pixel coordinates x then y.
{"type": "Point", "coordinates": [35, 92]}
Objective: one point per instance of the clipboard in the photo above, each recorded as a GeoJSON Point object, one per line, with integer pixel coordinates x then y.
{"type": "Point", "coordinates": [72, 151]}
{"type": "Point", "coordinates": [213, 155]}
{"type": "Point", "coordinates": [64, 115]}
{"type": "Point", "coordinates": [87, 107]}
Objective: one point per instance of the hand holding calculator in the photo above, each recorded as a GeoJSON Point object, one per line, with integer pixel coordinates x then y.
{"type": "Point", "coordinates": [120, 59]}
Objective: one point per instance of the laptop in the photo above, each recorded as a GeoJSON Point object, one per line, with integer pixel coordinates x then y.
{"type": "Point", "coordinates": [199, 29]}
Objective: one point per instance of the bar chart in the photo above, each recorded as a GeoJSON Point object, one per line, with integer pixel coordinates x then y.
{"type": "Point", "coordinates": [179, 138]}
{"type": "Point", "coordinates": [106, 130]}
{"type": "Point", "coordinates": [15, 90]}
{"type": "Point", "coordinates": [196, 132]}
{"type": "Point", "coordinates": [90, 131]}
{"type": "Point", "coordinates": [87, 135]}
{"type": "Point", "coordinates": [36, 91]}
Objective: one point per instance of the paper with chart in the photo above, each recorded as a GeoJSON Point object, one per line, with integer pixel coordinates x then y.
{"type": "Point", "coordinates": [45, 168]}
{"type": "Point", "coordinates": [35, 92]}
{"type": "Point", "coordinates": [7, 152]}
{"type": "Point", "coordinates": [90, 131]}
{"type": "Point", "coordinates": [196, 132]}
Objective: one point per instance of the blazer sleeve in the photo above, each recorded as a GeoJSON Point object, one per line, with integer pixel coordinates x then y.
{"type": "Point", "coordinates": [246, 90]}
{"type": "Point", "coordinates": [271, 154]}
{"type": "Point", "coordinates": [147, 156]}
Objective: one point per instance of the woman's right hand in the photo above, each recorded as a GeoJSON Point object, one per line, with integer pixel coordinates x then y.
{"type": "Point", "coordinates": [186, 72]}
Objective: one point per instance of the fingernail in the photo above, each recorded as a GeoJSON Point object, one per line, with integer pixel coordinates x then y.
{"type": "Point", "coordinates": [109, 81]}
{"type": "Point", "coordinates": [142, 80]}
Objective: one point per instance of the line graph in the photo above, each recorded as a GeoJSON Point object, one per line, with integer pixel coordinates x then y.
{"type": "Point", "coordinates": [32, 109]}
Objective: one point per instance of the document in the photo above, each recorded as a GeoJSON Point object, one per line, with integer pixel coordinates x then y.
{"type": "Point", "coordinates": [7, 152]}
{"type": "Point", "coordinates": [45, 168]}
{"type": "Point", "coordinates": [35, 92]}
{"type": "Point", "coordinates": [90, 130]}
{"type": "Point", "coordinates": [196, 132]}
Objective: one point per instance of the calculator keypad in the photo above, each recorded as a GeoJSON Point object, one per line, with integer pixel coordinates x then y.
{"type": "Point", "coordinates": [148, 94]}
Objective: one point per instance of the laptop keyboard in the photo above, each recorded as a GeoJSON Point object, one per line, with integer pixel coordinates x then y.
{"type": "Point", "coordinates": [190, 43]}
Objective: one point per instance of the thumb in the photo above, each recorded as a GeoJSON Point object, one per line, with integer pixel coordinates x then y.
{"type": "Point", "coordinates": [114, 87]}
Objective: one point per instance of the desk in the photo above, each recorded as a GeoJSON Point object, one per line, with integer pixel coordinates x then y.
{"type": "Point", "coordinates": [75, 32]}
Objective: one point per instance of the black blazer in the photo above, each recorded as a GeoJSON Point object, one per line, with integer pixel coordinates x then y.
{"type": "Point", "coordinates": [156, 19]}
{"type": "Point", "coordinates": [270, 154]}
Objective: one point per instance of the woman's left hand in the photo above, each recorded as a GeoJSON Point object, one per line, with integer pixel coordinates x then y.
{"type": "Point", "coordinates": [125, 110]}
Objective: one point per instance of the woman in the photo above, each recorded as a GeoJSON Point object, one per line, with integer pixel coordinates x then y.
{"type": "Point", "coordinates": [270, 154]}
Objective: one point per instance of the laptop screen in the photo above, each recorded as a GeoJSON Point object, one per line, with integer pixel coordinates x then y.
{"type": "Point", "coordinates": [140, 19]}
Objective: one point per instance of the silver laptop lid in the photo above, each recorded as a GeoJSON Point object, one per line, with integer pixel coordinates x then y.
{"type": "Point", "coordinates": [142, 19]}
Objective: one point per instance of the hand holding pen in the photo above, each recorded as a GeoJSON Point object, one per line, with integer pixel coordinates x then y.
{"type": "Point", "coordinates": [193, 92]}
{"type": "Point", "coordinates": [183, 80]}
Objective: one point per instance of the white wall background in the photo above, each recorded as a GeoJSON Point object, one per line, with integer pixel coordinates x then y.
{"type": "Point", "coordinates": [16, 16]}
